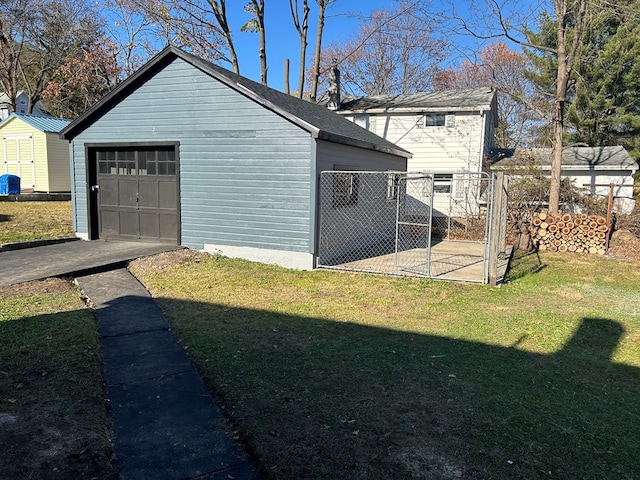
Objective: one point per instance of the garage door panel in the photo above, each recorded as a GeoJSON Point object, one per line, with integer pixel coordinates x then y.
{"type": "Point", "coordinates": [148, 191]}
{"type": "Point", "coordinates": [108, 191]}
{"type": "Point", "coordinates": [167, 194]}
{"type": "Point", "coordinates": [138, 199]}
{"type": "Point", "coordinates": [128, 193]}
{"type": "Point", "coordinates": [149, 226]}
{"type": "Point", "coordinates": [129, 223]}
{"type": "Point", "coordinates": [109, 222]}
{"type": "Point", "coordinates": [168, 226]}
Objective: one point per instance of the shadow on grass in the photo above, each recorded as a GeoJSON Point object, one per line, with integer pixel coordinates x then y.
{"type": "Point", "coordinates": [53, 422]}
{"type": "Point", "coordinates": [5, 218]}
{"type": "Point", "coordinates": [523, 264]}
{"type": "Point", "coordinates": [321, 399]}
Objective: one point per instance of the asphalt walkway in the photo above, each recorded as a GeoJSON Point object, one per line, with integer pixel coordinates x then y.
{"type": "Point", "coordinates": [166, 425]}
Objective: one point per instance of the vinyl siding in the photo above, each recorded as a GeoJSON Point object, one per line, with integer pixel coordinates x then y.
{"type": "Point", "coordinates": [245, 172]}
{"type": "Point", "coordinates": [57, 163]}
{"type": "Point", "coordinates": [438, 149]}
{"type": "Point", "coordinates": [51, 156]}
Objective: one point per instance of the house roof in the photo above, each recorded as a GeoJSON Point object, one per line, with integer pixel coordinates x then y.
{"type": "Point", "coordinates": [573, 158]}
{"type": "Point", "coordinates": [467, 99]}
{"type": "Point", "coordinates": [320, 122]}
{"type": "Point", "coordinates": [39, 122]}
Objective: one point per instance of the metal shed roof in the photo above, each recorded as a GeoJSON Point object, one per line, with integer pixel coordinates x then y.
{"type": "Point", "coordinates": [44, 124]}
{"type": "Point", "coordinates": [573, 158]}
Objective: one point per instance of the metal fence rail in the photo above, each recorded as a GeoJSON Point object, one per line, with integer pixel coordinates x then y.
{"type": "Point", "coordinates": [419, 224]}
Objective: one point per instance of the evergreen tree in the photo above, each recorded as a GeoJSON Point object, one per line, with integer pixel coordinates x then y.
{"type": "Point", "coordinates": [605, 108]}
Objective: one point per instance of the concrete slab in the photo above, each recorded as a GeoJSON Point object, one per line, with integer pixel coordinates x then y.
{"type": "Point", "coordinates": [169, 428]}
{"type": "Point", "coordinates": [135, 358]}
{"type": "Point", "coordinates": [449, 260]}
{"type": "Point", "coordinates": [130, 311]}
{"type": "Point", "coordinates": [166, 424]}
{"type": "Point", "coordinates": [71, 258]}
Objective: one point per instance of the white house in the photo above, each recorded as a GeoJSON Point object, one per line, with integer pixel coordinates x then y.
{"type": "Point", "coordinates": [21, 106]}
{"type": "Point", "coordinates": [591, 168]}
{"type": "Point", "coordinates": [450, 134]}
{"type": "Point", "coordinates": [448, 131]}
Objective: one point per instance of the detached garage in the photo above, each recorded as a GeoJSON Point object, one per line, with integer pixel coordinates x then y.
{"type": "Point", "coordinates": [188, 153]}
{"type": "Point", "coordinates": [33, 151]}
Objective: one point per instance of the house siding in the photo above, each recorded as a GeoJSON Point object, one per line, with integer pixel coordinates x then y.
{"type": "Point", "coordinates": [57, 163]}
{"type": "Point", "coordinates": [442, 148]}
{"type": "Point", "coordinates": [245, 172]}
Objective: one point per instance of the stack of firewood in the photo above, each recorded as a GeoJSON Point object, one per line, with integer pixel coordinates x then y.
{"type": "Point", "coordinates": [569, 233]}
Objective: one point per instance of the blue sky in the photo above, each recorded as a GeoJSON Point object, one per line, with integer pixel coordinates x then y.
{"type": "Point", "coordinates": [283, 40]}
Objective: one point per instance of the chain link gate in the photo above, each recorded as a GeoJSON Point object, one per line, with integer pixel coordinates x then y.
{"type": "Point", "coordinates": [419, 224]}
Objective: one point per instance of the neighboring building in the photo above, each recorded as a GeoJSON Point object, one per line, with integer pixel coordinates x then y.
{"type": "Point", "coordinates": [33, 150]}
{"type": "Point", "coordinates": [448, 131]}
{"type": "Point", "coordinates": [590, 168]}
{"type": "Point", "coordinates": [22, 105]}
{"type": "Point", "coordinates": [234, 171]}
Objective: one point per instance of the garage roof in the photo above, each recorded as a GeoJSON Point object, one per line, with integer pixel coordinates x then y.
{"type": "Point", "coordinates": [320, 122]}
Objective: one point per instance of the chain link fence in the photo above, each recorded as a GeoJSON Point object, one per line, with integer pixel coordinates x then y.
{"type": "Point", "coordinates": [423, 224]}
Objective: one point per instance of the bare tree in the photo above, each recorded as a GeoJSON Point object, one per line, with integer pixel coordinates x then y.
{"type": "Point", "coordinates": [219, 9]}
{"type": "Point", "coordinates": [37, 38]}
{"type": "Point", "coordinates": [322, 11]}
{"type": "Point", "coordinates": [498, 66]}
{"type": "Point", "coordinates": [199, 25]}
{"type": "Point", "coordinates": [394, 51]}
{"type": "Point", "coordinates": [570, 18]}
{"type": "Point", "coordinates": [301, 22]}
{"type": "Point", "coordinates": [256, 24]}
{"type": "Point", "coordinates": [131, 31]}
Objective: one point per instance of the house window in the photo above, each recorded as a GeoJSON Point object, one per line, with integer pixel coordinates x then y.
{"type": "Point", "coordinates": [393, 182]}
{"type": "Point", "coordinates": [434, 119]}
{"type": "Point", "coordinates": [345, 186]}
{"type": "Point", "coordinates": [361, 120]}
{"type": "Point", "coordinates": [442, 182]}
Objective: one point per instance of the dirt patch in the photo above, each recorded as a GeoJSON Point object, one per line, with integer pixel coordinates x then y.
{"type": "Point", "coordinates": [156, 263]}
{"type": "Point", "coordinates": [38, 287]}
{"type": "Point", "coordinates": [624, 245]}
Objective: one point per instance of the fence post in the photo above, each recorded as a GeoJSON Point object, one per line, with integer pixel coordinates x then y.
{"type": "Point", "coordinates": [494, 234]}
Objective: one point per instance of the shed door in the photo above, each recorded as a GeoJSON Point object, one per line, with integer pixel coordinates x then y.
{"type": "Point", "coordinates": [19, 159]}
{"type": "Point", "coordinates": [136, 193]}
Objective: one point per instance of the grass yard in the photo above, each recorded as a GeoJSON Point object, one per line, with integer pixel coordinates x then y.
{"type": "Point", "coordinates": [331, 375]}
{"type": "Point", "coordinates": [22, 221]}
{"type": "Point", "coordinates": [53, 421]}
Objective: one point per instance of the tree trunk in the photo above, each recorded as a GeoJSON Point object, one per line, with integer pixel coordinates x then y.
{"type": "Point", "coordinates": [322, 5]}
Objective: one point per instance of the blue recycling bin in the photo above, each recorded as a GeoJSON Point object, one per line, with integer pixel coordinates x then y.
{"type": "Point", "coordinates": [9, 184]}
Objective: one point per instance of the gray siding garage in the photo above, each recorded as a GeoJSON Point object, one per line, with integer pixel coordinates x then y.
{"type": "Point", "coordinates": [186, 152]}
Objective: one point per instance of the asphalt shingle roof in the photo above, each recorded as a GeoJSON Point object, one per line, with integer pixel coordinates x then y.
{"type": "Point", "coordinates": [452, 100]}
{"type": "Point", "coordinates": [602, 158]}
{"type": "Point", "coordinates": [44, 124]}
{"type": "Point", "coordinates": [316, 119]}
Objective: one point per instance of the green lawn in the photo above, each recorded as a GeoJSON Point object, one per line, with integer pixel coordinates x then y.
{"type": "Point", "coordinates": [21, 221]}
{"type": "Point", "coordinates": [336, 375]}
{"type": "Point", "coordinates": [54, 423]}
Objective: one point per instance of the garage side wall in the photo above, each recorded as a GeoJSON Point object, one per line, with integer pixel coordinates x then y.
{"type": "Point", "coordinates": [244, 172]}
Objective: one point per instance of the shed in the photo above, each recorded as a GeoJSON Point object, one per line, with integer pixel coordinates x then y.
{"type": "Point", "coordinates": [591, 168]}
{"type": "Point", "coordinates": [232, 167]}
{"type": "Point", "coordinates": [33, 151]}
